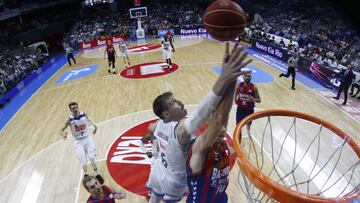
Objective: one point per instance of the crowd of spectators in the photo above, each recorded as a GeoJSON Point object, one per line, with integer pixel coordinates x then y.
{"type": "Point", "coordinates": [317, 32]}
{"type": "Point", "coordinates": [16, 64]}
{"type": "Point", "coordinates": [98, 23]}
{"type": "Point", "coordinates": [10, 28]}
{"type": "Point", "coordinates": [159, 17]}
{"type": "Point", "coordinates": [16, 4]}
{"type": "Point", "coordinates": [90, 24]}
{"type": "Point", "coordinates": [320, 33]}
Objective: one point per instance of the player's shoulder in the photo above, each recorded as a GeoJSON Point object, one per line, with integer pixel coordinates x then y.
{"type": "Point", "coordinates": [180, 128]}
{"type": "Point", "coordinates": [152, 126]}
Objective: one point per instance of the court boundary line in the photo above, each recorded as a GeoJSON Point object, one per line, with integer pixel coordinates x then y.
{"type": "Point", "coordinates": [314, 90]}
{"type": "Point", "coordinates": [1, 130]}
{"type": "Point", "coordinates": [78, 188]}
{"type": "Point", "coordinates": [37, 91]}
{"type": "Point", "coordinates": [107, 151]}
{"type": "Point", "coordinates": [50, 146]}
{"type": "Point", "coordinates": [334, 104]}
{"type": "Point", "coordinates": [145, 51]}
{"type": "Point", "coordinates": [61, 140]}
{"type": "Point", "coordinates": [105, 76]}
{"type": "Point", "coordinates": [28, 160]}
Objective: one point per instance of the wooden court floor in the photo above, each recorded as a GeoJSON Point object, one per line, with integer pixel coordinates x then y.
{"type": "Point", "coordinates": [38, 166]}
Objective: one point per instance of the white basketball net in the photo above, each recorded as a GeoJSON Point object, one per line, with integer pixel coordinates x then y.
{"type": "Point", "coordinates": [301, 155]}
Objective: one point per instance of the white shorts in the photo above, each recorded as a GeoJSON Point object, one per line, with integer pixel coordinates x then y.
{"type": "Point", "coordinates": [124, 53]}
{"type": "Point", "coordinates": [85, 148]}
{"type": "Point", "coordinates": [168, 186]}
{"type": "Point", "coordinates": [167, 54]}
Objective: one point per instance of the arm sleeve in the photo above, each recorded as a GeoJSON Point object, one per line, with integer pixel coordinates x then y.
{"type": "Point", "coordinates": [206, 107]}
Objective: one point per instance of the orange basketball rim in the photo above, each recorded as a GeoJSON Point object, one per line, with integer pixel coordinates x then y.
{"type": "Point", "coordinates": [273, 189]}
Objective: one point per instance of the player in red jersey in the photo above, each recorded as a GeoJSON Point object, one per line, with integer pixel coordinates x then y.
{"type": "Point", "coordinates": [208, 162]}
{"type": "Point", "coordinates": [167, 180]}
{"type": "Point", "coordinates": [111, 54]}
{"type": "Point", "coordinates": [100, 193]}
{"type": "Point", "coordinates": [246, 96]}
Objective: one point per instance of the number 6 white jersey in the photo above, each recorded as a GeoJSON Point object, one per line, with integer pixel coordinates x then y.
{"type": "Point", "coordinates": [172, 155]}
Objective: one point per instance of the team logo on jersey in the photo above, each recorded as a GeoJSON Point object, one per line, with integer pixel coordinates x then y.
{"type": "Point", "coordinates": [128, 165]}
{"type": "Point", "coordinates": [77, 73]}
{"type": "Point", "coordinates": [148, 70]}
{"type": "Point", "coordinates": [143, 48]}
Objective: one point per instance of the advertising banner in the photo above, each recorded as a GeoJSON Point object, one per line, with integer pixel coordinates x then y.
{"type": "Point", "coordinates": [15, 90]}
{"type": "Point", "coordinates": [100, 42]}
{"type": "Point", "coordinates": [272, 50]}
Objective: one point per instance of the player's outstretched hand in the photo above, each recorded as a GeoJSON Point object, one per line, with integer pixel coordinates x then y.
{"type": "Point", "coordinates": [231, 68]}
{"type": "Point", "coordinates": [234, 62]}
{"type": "Point", "coordinates": [149, 154]}
{"type": "Point", "coordinates": [120, 195]}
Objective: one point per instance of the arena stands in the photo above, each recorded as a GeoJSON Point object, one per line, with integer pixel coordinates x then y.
{"type": "Point", "coordinates": [16, 64]}
{"type": "Point", "coordinates": [321, 32]}
{"type": "Point", "coordinates": [317, 32]}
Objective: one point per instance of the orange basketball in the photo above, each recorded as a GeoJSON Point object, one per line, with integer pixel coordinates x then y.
{"type": "Point", "coordinates": [224, 20]}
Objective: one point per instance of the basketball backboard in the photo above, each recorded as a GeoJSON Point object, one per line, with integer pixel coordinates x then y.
{"type": "Point", "coordinates": [138, 12]}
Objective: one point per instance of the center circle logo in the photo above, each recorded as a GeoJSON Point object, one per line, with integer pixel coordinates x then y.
{"type": "Point", "coordinates": [129, 166]}
{"type": "Point", "coordinates": [148, 70]}
{"type": "Point", "coordinates": [143, 48]}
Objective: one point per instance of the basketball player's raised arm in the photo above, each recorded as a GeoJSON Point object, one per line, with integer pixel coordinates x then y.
{"type": "Point", "coordinates": [62, 133]}
{"type": "Point", "coordinates": [217, 122]}
{"type": "Point", "coordinates": [232, 65]}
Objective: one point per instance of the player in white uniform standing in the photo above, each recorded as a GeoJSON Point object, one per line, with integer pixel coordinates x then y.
{"type": "Point", "coordinates": [173, 131]}
{"type": "Point", "coordinates": [167, 43]}
{"type": "Point", "coordinates": [83, 142]}
{"type": "Point", "coordinates": [123, 47]}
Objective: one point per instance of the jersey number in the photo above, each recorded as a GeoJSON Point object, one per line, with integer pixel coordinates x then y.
{"type": "Point", "coordinates": [163, 159]}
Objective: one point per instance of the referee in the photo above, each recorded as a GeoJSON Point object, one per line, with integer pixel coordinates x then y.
{"type": "Point", "coordinates": [292, 63]}
{"type": "Point", "coordinates": [69, 50]}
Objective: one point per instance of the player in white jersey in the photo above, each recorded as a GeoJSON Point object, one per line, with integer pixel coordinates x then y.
{"type": "Point", "coordinates": [167, 52]}
{"type": "Point", "coordinates": [123, 47]}
{"type": "Point", "coordinates": [83, 142]}
{"type": "Point", "coordinates": [174, 132]}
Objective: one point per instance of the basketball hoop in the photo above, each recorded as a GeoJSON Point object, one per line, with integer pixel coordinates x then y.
{"type": "Point", "coordinates": [292, 157]}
